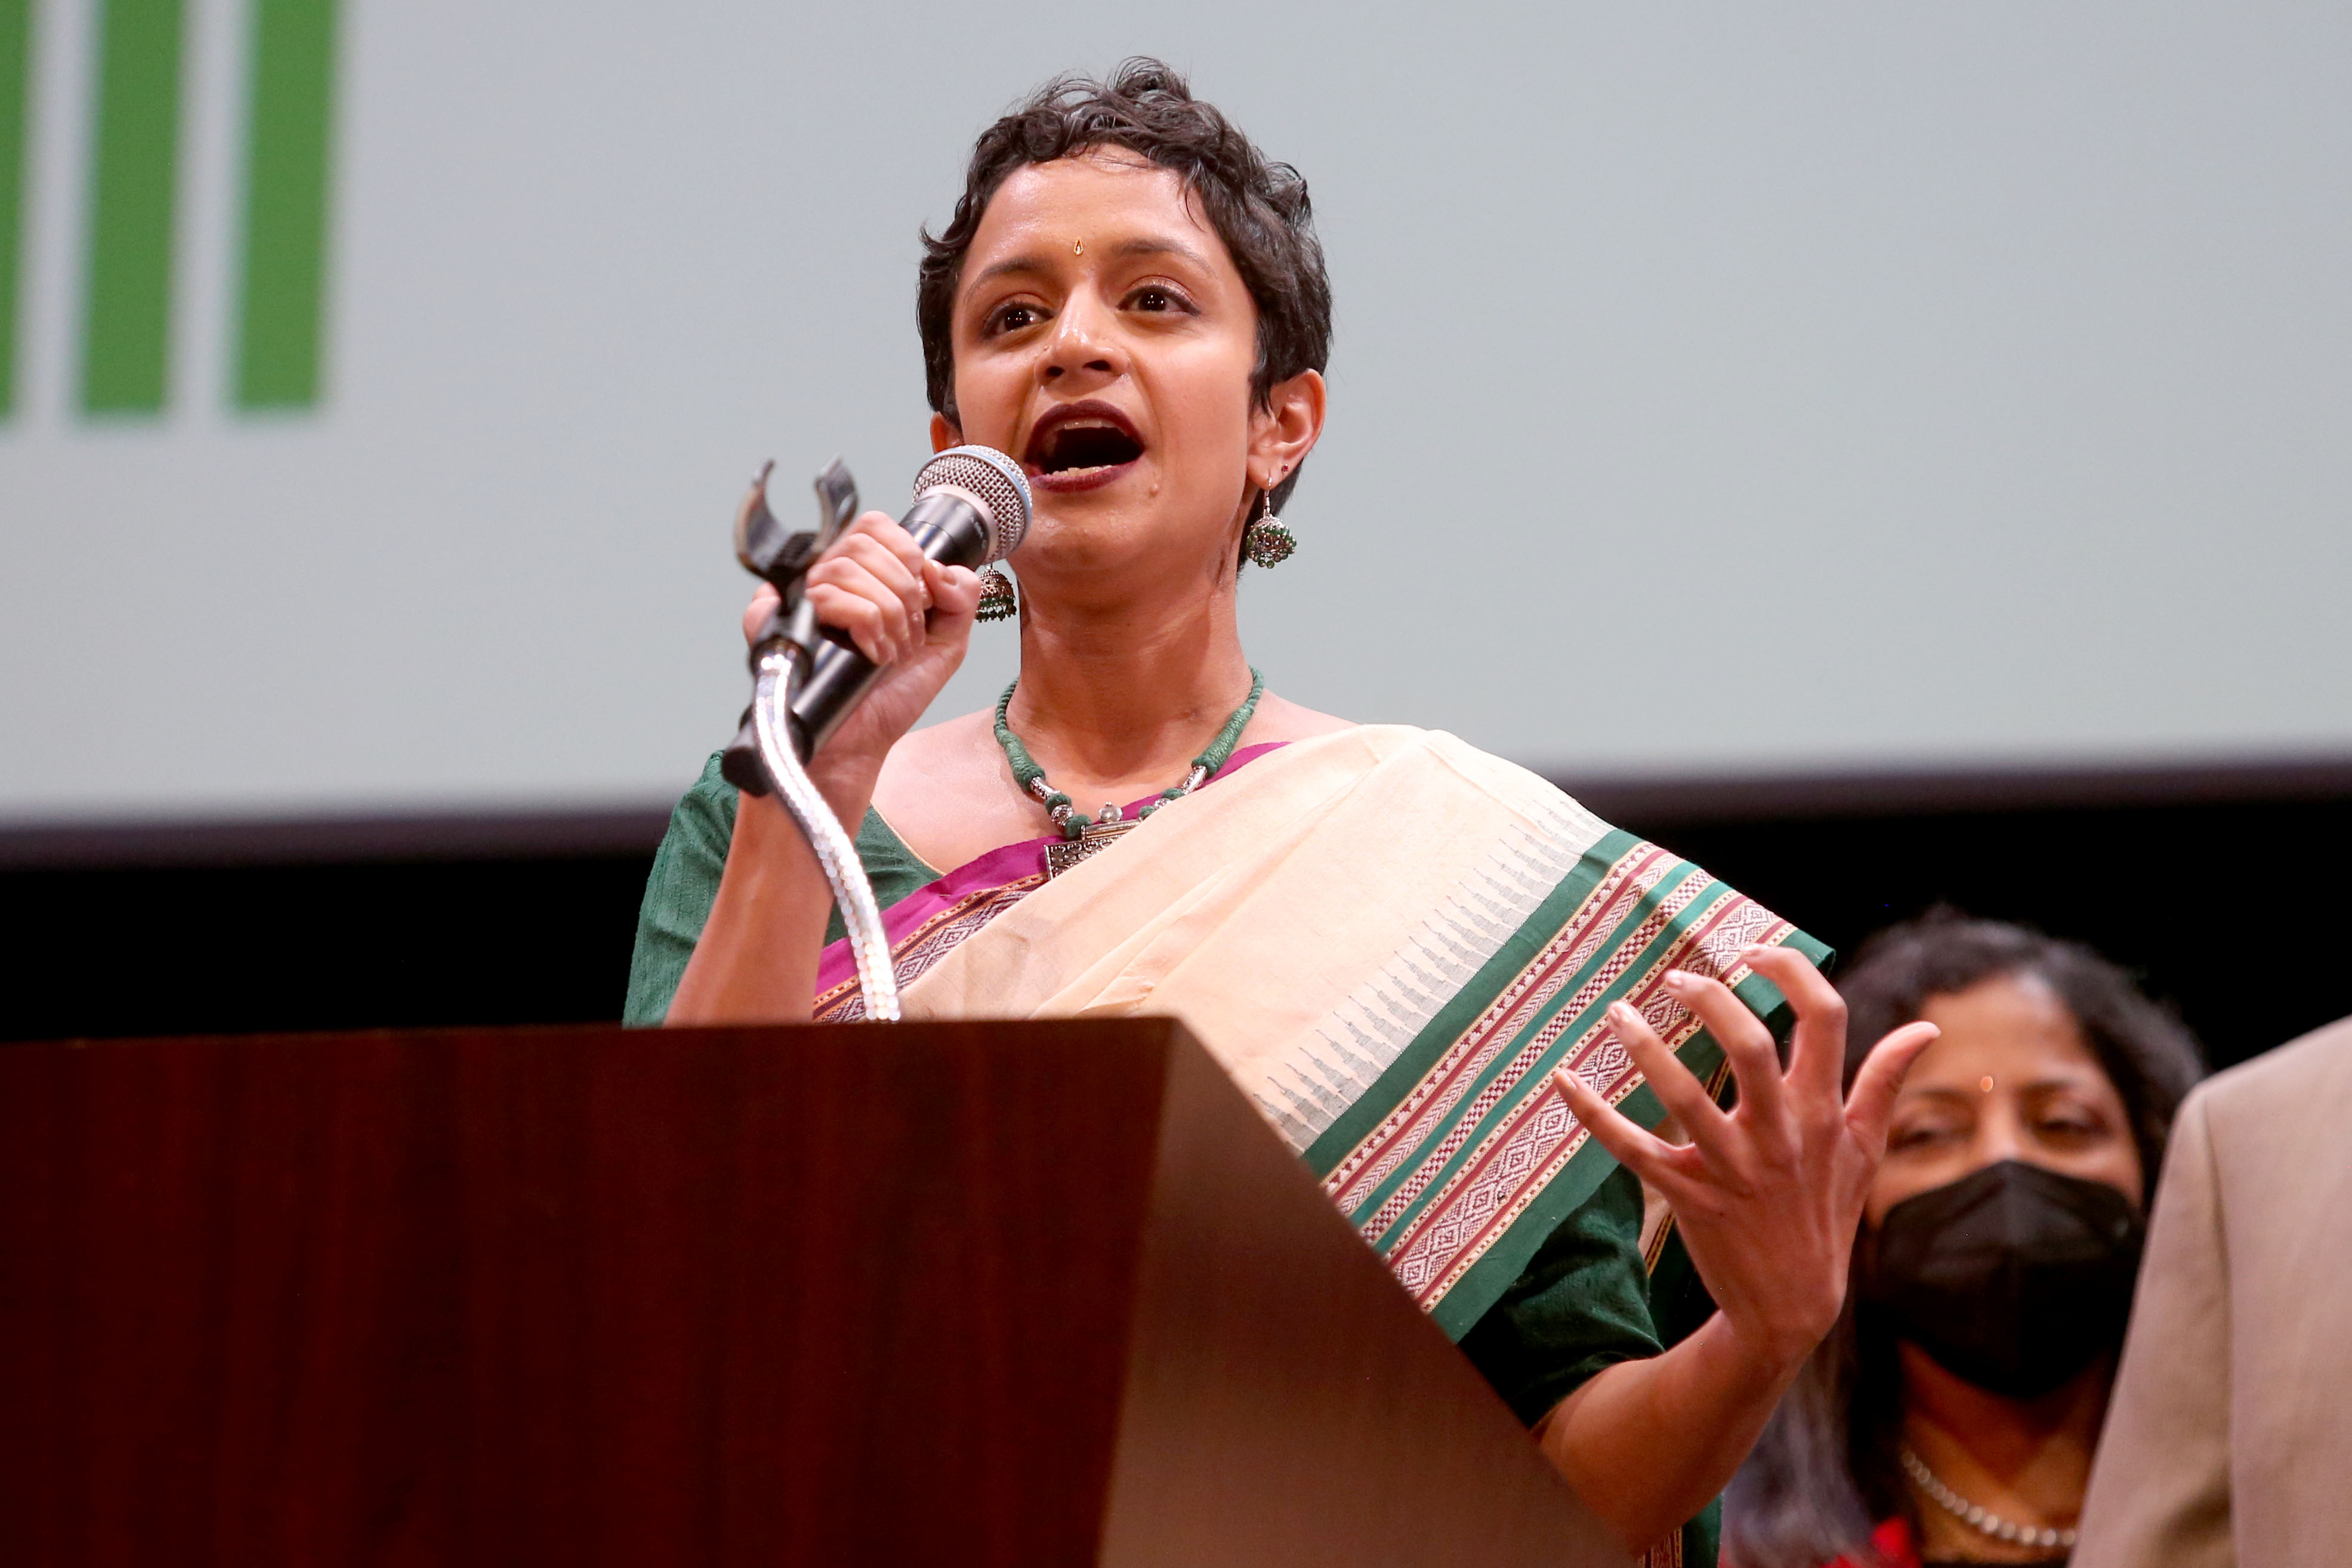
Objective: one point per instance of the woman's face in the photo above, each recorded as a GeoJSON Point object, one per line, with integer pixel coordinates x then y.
{"type": "Point", "coordinates": [1104, 337]}
{"type": "Point", "coordinates": [2009, 1078]}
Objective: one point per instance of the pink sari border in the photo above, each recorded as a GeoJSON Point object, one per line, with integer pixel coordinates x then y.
{"type": "Point", "coordinates": [985, 874]}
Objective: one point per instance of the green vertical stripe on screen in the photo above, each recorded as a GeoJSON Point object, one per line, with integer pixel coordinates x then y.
{"type": "Point", "coordinates": [15, 104]}
{"type": "Point", "coordinates": [282, 306]}
{"type": "Point", "coordinates": [127, 306]}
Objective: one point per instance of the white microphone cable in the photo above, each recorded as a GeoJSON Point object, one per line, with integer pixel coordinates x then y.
{"type": "Point", "coordinates": [836, 853]}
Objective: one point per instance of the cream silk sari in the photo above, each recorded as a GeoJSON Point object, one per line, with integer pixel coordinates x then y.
{"type": "Point", "coordinates": [1391, 940]}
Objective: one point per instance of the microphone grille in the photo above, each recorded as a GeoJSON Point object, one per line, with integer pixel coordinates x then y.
{"type": "Point", "coordinates": [993, 480]}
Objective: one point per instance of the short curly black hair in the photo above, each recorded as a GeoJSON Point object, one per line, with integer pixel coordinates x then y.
{"type": "Point", "coordinates": [1259, 208]}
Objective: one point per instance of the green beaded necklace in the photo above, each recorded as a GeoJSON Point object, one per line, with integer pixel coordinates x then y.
{"type": "Point", "coordinates": [1082, 838]}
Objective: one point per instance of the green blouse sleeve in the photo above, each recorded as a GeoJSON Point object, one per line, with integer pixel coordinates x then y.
{"type": "Point", "coordinates": [1581, 1304]}
{"type": "Point", "coordinates": [685, 882]}
{"type": "Point", "coordinates": [1587, 1302]}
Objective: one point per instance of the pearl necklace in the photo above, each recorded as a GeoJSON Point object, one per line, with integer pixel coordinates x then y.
{"type": "Point", "coordinates": [1975, 1516]}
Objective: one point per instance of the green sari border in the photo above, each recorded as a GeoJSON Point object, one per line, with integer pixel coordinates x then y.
{"type": "Point", "coordinates": [1483, 1284]}
{"type": "Point", "coordinates": [1632, 977]}
{"type": "Point", "coordinates": [1464, 1007]}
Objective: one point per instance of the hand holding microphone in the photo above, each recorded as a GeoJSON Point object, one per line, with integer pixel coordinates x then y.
{"type": "Point", "coordinates": [892, 602]}
{"type": "Point", "coordinates": [863, 637]}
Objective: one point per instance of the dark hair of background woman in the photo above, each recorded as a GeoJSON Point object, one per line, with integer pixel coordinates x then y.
{"type": "Point", "coordinates": [1259, 208]}
{"type": "Point", "coordinates": [1824, 1471]}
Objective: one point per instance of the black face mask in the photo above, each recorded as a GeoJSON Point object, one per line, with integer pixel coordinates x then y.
{"type": "Point", "coordinates": [2013, 1278]}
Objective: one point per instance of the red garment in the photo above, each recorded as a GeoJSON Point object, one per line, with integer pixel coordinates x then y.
{"type": "Point", "coordinates": [1892, 1542]}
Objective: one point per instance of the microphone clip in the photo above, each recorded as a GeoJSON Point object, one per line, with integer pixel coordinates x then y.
{"type": "Point", "coordinates": [781, 558]}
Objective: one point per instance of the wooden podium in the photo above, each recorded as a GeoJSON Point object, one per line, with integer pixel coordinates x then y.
{"type": "Point", "coordinates": [1033, 1294]}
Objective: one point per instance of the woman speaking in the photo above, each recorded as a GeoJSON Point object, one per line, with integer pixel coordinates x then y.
{"type": "Point", "coordinates": [1458, 995]}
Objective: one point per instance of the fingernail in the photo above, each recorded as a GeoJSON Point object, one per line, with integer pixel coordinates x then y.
{"type": "Point", "coordinates": [1752, 949]}
{"type": "Point", "coordinates": [1677, 982]}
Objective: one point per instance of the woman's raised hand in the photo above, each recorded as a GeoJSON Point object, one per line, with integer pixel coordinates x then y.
{"type": "Point", "coordinates": [909, 615]}
{"type": "Point", "coordinates": [1768, 1194]}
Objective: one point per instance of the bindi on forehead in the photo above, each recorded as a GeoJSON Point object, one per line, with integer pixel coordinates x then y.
{"type": "Point", "coordinates": [1975, 1082]}
{"type": "Point", "coordinates": [1091, 199]}
{"type": "Point", "coordinates": [1039, 261]}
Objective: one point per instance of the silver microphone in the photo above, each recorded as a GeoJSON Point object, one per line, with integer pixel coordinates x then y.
{"type": "Point", "coordinates": [971, 507]}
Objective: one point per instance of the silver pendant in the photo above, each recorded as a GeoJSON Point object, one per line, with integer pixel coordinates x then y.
{"type": "Point", "coordinates": [1064, 853]}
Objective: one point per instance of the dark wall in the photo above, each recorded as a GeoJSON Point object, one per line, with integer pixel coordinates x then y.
{"type": "Point", "coordinates": [2205, 893]}
{"type": "Point", "coordinates": [2207, 903]}
{"type": "Point", "coordinates": [172, 949]}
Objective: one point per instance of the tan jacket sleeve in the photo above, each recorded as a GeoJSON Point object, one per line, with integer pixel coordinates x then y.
{"type": "Point", "coordinates": [2159, 1492]}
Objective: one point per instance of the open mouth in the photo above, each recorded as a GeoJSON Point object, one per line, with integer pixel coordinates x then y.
{"type": "Point", "coordinates": [1087, 447]}
{"type": "Point", "coordinates": [1080, 444]}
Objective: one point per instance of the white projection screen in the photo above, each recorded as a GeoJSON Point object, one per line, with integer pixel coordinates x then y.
{"type": "Point", "coordinates": [1719, 389]}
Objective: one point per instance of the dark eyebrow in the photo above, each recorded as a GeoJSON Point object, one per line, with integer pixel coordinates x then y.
{"type": "Point", "coordinates": [1143, 245]}
{"type": "Point", "coordinates": [1002, 268]}
{"type": "Point", "coordinates": [2053, 1084]}
{"type": "Point", "coordinates": [1154, 246]}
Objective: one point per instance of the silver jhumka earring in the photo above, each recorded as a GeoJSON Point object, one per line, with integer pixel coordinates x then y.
{"type": "Point", "coordinates": [1268, 541]}
{"type": "Point", "coordinates": [997, 600]}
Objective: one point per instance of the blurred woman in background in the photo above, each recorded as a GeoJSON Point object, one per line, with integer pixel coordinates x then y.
{"type": "Point", "coordinates": [1952, 1415]}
